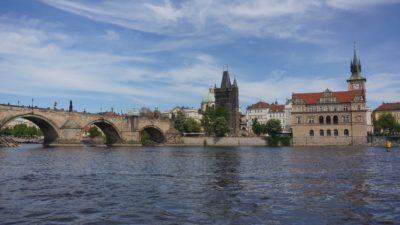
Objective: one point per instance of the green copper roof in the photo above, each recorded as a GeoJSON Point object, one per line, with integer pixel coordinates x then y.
{"type": "Point", "coordinates": [209, 97]}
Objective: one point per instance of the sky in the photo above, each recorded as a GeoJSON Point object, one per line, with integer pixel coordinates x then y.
{"type": "Point", "coordinates": [117, 54]}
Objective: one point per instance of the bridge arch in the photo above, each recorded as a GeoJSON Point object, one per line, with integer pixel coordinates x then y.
{"type": "Point", "coordinates": [155, 133]}
{"type": "Point", "coordinates": [108, 128]}
{"type": "Point", "coordinates": [48, 128]}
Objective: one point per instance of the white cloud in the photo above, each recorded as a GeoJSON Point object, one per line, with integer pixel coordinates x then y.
{"type": "Point", "coordinates": [111, 35]}
{"type": "Point", "coordinates": [282, 19]}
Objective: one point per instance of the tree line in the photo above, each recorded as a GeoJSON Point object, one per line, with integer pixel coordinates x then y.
{"type": "Point", "coordinates": [21, 130]}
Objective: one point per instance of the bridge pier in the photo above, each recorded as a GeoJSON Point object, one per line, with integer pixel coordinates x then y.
{"type": "Point", "coordinates": [61, 128]}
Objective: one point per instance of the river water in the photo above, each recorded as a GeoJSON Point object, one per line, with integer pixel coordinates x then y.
{"type": "Point", "coordinates": [196, 185]}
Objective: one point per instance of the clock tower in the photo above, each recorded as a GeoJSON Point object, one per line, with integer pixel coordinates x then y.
{"type": "Point", "coordinates": [356, 81]}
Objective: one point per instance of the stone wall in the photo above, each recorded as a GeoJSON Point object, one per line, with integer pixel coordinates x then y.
{"type": "Point", "coordinates": [224, 141]}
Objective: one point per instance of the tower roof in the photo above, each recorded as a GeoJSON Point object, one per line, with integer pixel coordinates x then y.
{"type": "Point", "coordinates": [226, 80]}
{"type": "Point", "coordinates": [355, 67]}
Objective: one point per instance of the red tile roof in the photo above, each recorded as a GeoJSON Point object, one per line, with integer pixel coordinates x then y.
{"type": "Point", "coordinates": [277, 108]}
{"type": "Point", "coordinates": [388, 106]}
{"type": "Point", "coordinates": [341, 96]}
{"type": "Point", "coordinates": [259, 105]}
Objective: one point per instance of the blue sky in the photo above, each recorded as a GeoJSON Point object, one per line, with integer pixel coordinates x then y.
{"type": "Point", "coordinates": [129, 54]}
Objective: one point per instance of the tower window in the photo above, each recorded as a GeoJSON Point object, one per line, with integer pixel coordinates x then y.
{"type": "Point", "coordinates": [311, 133]}
{"type": "Point", "coordinates": [328, 133]}
{"type": "Point", "coordinates": [335, 120]}
{"type": "Point", "coordinates": [321, 119]}
{"type": "Point", "coordinates": [346, 132]}
{"type": "Point", "coordinates": [328, 120]}
{"type": "Point", "coordinates": [335, 132]}
{"type": "Point", "coordinates": [321, 132]}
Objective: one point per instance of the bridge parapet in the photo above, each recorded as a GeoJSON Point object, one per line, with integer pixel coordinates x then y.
{"type": "Point", "coordinates": [62, 127]}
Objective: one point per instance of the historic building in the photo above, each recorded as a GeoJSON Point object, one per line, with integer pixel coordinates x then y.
{"type": "Point", "coordinates": [332, 117]}
{"type": "Point", "coordinates": [257, 111]}
{"type": "Point", "coordinates": [391, 108]}
{"type": "Point", "coordinates": [263, 111]}
{"type": "Point", "coordinates": [227, 96]}
{"type": "Point", "coordinates": [208, 101]}
{"type": "Point", "coordinates": [188, 112]}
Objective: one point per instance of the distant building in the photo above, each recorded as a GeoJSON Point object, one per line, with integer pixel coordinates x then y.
{"type": "Point", "coordinates": [227, 96]}
{"type": "Point", "coordinates": [332, 117]}
{"type": "Point", "coordinates": [257, 111]}
{"type": "Point", "coordinates": [208, 101]}
{"type": "Point", "coordinates": [391, 108]}
{"type": "Point", "coordinates": [188, 112]}
{"type": "Point", "coordinates": [263, 111]}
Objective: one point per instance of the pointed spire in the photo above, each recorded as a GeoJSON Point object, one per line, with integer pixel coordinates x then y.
{"type": "Point", "coordinates": [355, 65]}
{"type": "Point", "coordinates": [226, 80]}
{"type": "Point", "coordinates": [234, 82]}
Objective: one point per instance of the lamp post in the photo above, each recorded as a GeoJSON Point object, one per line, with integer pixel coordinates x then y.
{"type": "Point", "coordinates": [32, 103]}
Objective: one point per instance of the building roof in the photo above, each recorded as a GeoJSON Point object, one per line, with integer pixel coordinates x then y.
{"type": "Point", "coordinates": [341, 96]}
{"type": "Point", "coordinates": [210, 97]}
{"type": "Point", "coordinates": [276, 108]}
{"type": "Point", "coordinates": [388, 106]}
{"type": "Point", "coordinates": [259, 105]}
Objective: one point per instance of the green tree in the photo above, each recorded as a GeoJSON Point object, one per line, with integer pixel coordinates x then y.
{"type": "Point", "coordinates": [20, 130]}
{"type": "Point", "coordinates": [273, 127]}
{"type": "Point", "coordinates": [94, 132]}
{"type": "Point", "coordinates": [179, 122]}
{"type": "Point", "coordinates": [210, 117]}
{"type": "Point", "coordinates": [256, 127]}
{"type": "Point", "coordinates": [386, 122]}
{"type": "Point", "coordinates": [220, 126]}
{"type": "Point", "coordinates": [191, 126]}
{"type": "Point", "coordinates": [144, 137]}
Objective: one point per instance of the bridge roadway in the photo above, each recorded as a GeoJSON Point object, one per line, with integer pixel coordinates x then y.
{"type": "Point", "coordinates": [67, 128]}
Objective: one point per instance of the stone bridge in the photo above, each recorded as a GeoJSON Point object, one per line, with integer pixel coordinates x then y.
{"type": "Point", "coordinates": [67, 128]}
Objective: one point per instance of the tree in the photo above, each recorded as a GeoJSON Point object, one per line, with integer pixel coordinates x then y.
{"type": "Point", "coordinates": [256, 127]}
{"type": "Point", "coordinates": [144, 137]}
{"type": "Point", "coordinates": [179, 122]}
{"type": "Point", "coordinates": [94, 132]}
{"type": "Point", "coordinates": [386, 122]}
{"type": "Point", "coordinates": [191, 126]}
{"type": "Point", "coordinates": [210, 117]}
{"type": "Point", "coordinates": [220, 126]}
{"type": "Point", "coordinates": [273, 127]}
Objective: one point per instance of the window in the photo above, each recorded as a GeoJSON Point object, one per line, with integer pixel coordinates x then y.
{"type": "Point", "coordinates": [298, 119]}
{"type": "Point", "coordinates": [345, 108]}
{"type": "Point", "coordinates": [321, 132]}
{"type": "Point", "coordinates": [328, 133]}
{"type": "Point", "coordinates": [310, 119]}
{"type": "Point", "coordinates": [328, 120]}
{"type": "Point", "coordinates": [335, 120]}
{"type": "Point", "coordinates": [335, 132]}
{"type": "Point", "coordinates": [321, 119]}
{"type": "Point", "coordinates": [358, 107]}
{"type": "Point", "coordinates": [346, 132]}
{"type": "Point", "coordinates": [346, 119]}
{"type": "Point", "coordinates": [312, 133]}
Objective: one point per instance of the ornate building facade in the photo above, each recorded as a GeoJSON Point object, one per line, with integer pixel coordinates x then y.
{"type": "Point", "coordinates": [227, 96]}
{"type": "Point", "coordinates": [332, 117]}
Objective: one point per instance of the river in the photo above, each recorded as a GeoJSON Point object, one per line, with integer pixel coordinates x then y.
{"type": "Point", "coordinates": [196, 185]}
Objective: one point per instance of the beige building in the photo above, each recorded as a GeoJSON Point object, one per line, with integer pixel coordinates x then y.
{"type": "Point", "coordinates": [332, 117]}
{"type": "Point", "coordinates": [391, 108]}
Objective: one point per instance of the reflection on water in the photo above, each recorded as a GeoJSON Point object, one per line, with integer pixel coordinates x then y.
{"type": "Point", "coordinates": [169, 185]}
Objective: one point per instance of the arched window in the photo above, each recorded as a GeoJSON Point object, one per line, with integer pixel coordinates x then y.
{"type": "Point", "coordinates": [311, 133]}
{"type": "Point", "coordinates": [335, 132]}
{"type": "Point", "coordinates": [346, 132]}
{"type": "Point", "coordinates": [328, 119]}
{"type": "Point", "coordinates": [321, 119]}
{"type": "Point", "coordinates": [321, 132]}
{"type": "Point", "coordinates": [328, 133]}
{"type": "Point", "coordinates": [335, 120]}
